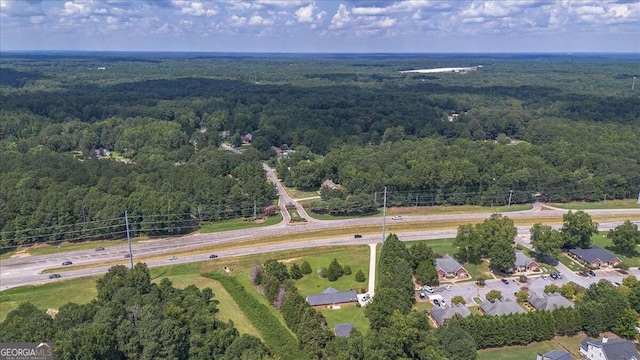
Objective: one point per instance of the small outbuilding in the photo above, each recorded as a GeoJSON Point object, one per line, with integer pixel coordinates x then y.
{"type": "Point", "coordinates": [342, 330]}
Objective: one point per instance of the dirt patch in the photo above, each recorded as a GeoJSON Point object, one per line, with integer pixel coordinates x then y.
{"type": "Point", "coordinates": [52, 312]}
{"type": "Point", "coordinates": [20, 254]}
{"type": "Point", "coordinates": [227, 270]}
{"type": "Point", "coordinates": [288, 261]}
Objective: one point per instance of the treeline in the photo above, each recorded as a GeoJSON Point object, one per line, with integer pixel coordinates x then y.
{"type": "Point", "coordinates": [133, 318]}
{"type": "Point", "coordinates": [47, 196]}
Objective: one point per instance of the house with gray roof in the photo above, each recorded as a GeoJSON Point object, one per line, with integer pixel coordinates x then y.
{"type": "Point", "coordinates": [608, 349]}
{"type": "Point", "coordinates": [440, 315]}
{"type": "Point", "coordinates": [548, 301]}
{"type": "Point", "coordinates": [498, 307]}
{"type": "Point", "coordinates": [331, 296]}
{"type": "Point", "coordinates": [448, 267]}
{"type": "Point", "coordinates": [555, 355]}
{"type": "Point", "coordinates": [343, 330]}
{"type": "Point", "coordinates": [595, 256]}
{"type": "Point", "coordinates": [524, 263]}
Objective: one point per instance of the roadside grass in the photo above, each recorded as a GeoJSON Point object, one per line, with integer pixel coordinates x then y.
{"type": "Point", "coordinates": [347, 314]}
{"type": "Point", "coordinates": [49, 296]}
{"type": "Point", "coordinates": [609, 204]}
{"type": "Point", "coordinates": [604, 242]}
{"type": "Point", "coordinates": [423, 305]}
{"type": "Point", "coordinates": [293, 214]}
{"type": "Point", "coordinates": [527, 352]}
{"type": "Point", "coordinates": [357, 258]}
{"type": "Point", "coordinates": [238, 224]}
{"type": "Point", "coordinates": [335, 217]}
{"type": "Point", "coordinates": [570, 263]}
{"type": "Point", "coordinates": [461, 209]}
{"type": "Point", "coordinates": [300, 194]}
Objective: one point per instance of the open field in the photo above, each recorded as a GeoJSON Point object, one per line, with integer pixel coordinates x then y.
{"type": "Point", "coordinates": [347, 314]}
{"type": "Point", "coordinates": [357, 258]}
{"type": "Point", "coordinates": [610, 204]}
{"type": "Point", "coordinates": [527, 352]}
{"type": "Point", "coordinates": [237, 224]}
{"type": "Point", "coordinates": [300, 194]}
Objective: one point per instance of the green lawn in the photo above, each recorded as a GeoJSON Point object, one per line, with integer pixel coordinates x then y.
{"type": "Point", "coordinates": [334, 217]}
{"type": "Point", "coordinates": [357, 258]}
{"type": "Point", "coordinates": [527, 352]}
{"type": "Point", "coordinates": [423, 306]}
{"type": "Point", "coordinates": [461, 209]}
{"type": "Point", "coordinates": [293, 213]}
{"type": "Point", "coordinates": [49, 296]}
{"type": "Point", "coordinates": [445, 246]}
{"type": "Point", "coordinates": [347, 314]}
{"type": "Point", "coordinates": [604, 242]}
{"type": "Point", "coordinates": [570, 263]}
{"type": "Point", "coordinates": [301, 194]}
{"type": "Point", "coordinates": [237, 224]}
{"type": "Point", "coordinates": [610, 204]}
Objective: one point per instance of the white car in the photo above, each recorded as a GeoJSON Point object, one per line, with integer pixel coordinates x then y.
{"type": "Point", "coordinates": [427, 289]}
{"type": "Point", "coordinates": [447, 287]}
{"type": "Point", "coordinates": [397, 217]}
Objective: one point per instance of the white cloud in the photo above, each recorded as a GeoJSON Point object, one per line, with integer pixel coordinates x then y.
{"type": "Point", "coordinates": [236, 20]}
{"type": "Point", "coordinates": [36, 19]}
{"type": "Point", "coordinates": [370, 11]}
{"type": "Point", "coordinates": [76, 8]}
{"type": "Point", "coordinates": [281, 3]}
{"type": "Point", "coordinates": [341, 18]}
{"type": "Point", "coordinates": [195, 8]}
{"type": "Point", "coordinates": [305, 13]}
{"type": "Point", "coordinates": [259, 20]}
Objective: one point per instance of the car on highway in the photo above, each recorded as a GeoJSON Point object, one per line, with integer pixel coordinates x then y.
{"type": "Point", "coordinates": [505, 281]}
{"type": "Point", "coordinates": [591, 273]}
{"type": "Point", "coordinates": [67, 263]}
{"type": "Point", "coordinates": [213, 256]}
{"type": "Point", "coordinates": [55, 276]}
{"type": "Point", "coordinates": [127, 255]}
{"type": "Point", "coordinates": [100, 249]}
{"type": "Point", "coordinates": [172, 258]}
{"type": "Point", "coordinates": [397, 217]}
{"type": "Point", "coordinates": [357, 236]}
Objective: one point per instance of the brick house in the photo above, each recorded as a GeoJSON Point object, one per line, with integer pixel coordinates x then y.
{"type": "Point", "coordinates": [595, 256]}
{"type": "Point", "coordinates": [448, 267]}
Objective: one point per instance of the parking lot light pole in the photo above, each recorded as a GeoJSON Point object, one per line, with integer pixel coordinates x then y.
{"type": "Point", "coordinates": [384, 214]}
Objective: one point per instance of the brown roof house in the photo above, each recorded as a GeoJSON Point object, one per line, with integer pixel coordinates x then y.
{"type": "Point", "coordinates": [448, 267]}
{"type": "Point", "coordinates": [524, 263]}
{"type": "Point", "coordinates": [331, 296]}
{"type": "Point", "coordinates": [595, 256]}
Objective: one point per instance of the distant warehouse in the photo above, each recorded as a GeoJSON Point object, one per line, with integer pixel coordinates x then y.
{"type": "Point", "coordinates": [443, 70]}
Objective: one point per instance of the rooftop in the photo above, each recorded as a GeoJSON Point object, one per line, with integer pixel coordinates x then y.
{"type": "Point", "coordinates": [342, 330]}
{"type": "Point", "coordinates": [522, 260]}
{"type": "Point", "coordinates": [498, 307]}
{"type": "Point", "coordinates": [613, 349]}
{"type": "Point", "coordinates": [548, 301]}
{"type": "Point", "coordinates": [448, 264]}
{"type": "Point", "coordinates": [591, 254]}
{"type": "Point", "coordinates": [332, 296]}
{"type": "Point", "coordinates": [441, 314]}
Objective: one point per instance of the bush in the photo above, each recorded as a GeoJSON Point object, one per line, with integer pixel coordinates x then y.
{"type": "Point", "coordinates": [494, 295]}
{"type": "Point", "coordinates": [458, 300]}
{"type": "Point", "coordinates": [334, 272]}
{"type": "Point", "coordinates": [480, 281]}
{"type": "Point", "coordinates": [295, 272]}
{"type": "Point", "coordinates": [522, 278]}
{"type": "Point", "coordinates": [322, 272]}
{"type": "Point", "coordinates": [346, 270]}
{"type": "Point", "coordinates": [360, 276]}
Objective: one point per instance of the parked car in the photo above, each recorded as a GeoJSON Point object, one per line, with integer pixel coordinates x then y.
{"type": "Point", "coordinates": [427, 289]}
{"type": "Point", "coordinates": [172, 257]}
{"type": "Point", "coordinates": [397, 217]}
{"type": "Point", "coordinates": [99, 248]}
{"type": "Point", "coordinates": [616, 284]}
{"type": "Point", "coordinates": [213, 256]}
{"type": "Point", "coordinates": [591, 273]}
{"type": "Point", "coordinates": [447, 287]}
{"type": "Point", "coordinates": [54, 276]}
{"type": "Point", "coordinates": [67, 263]}
{"type": "Point", "coordinates": [554, 276]}
{"type": "Point", "coordinates": [544, 277]}
{"type": "Point", "coordinates": [505, 281]}
{"type": "Point", "coordinates": [366, 297]}
{"type": "Point", "coordinates": [357, 236]}
{"type": "Point", "coordinates": [559, 275]}
{"type": "Point", "coordinates": [436, 302]}
{"type": "Point", "coordinates": [422, 295]}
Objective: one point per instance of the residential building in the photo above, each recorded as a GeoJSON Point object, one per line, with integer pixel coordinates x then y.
{"type": "Point", "coordinates": [342, 330]}
{"type": "Point", "coordinates": [448, 267]}
{"type": "Point", "coordinates": [331, 296]}
{"type": "Point", "coordinates": [555, 355]}
{"type": "Point", "coordinates": [548, 301]}
{"type": "Point", "coordinates": [504, 307]}
{"type": "Point", "coordinates": [524, 263]}
{"type": "Point", "coordinates": [595, 256]}
{"type": "Point", "coordinates": [440, 314]}
{"type": "Point", "coordinates": [608, 349]}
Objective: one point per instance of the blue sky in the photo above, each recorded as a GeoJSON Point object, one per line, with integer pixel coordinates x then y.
{"type": "Point", "coordinates": [322, 25]}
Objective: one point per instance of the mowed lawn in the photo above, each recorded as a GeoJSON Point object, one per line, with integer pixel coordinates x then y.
{"type": "Point", "coordinates": [527, 352]}
{"type": "Point", "coordinates": [610, 204]}
{"type": "Point", "coordinates": [357, 257]}
{"type": "Point", "coordinates": [604, 242]}
{"type": "Point", "coordinates": [445, 246]}
{"type": "Point", "coordinates": [347, 314]}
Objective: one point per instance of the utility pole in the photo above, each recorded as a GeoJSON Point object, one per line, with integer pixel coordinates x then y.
{"type": "Point", "coordinates": [255, 209]}
{"type": "Point", "coordinates": [126, 220]}
{"type": "Point", "coordinates": [384, 214]}
{"type": "Point", "coordinates": [510, 194]}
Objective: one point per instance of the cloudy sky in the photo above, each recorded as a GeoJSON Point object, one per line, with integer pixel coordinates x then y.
{"type": "Point", "coordinates": [322, 25]}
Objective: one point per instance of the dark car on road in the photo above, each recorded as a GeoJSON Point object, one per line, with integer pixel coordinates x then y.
{"type": "Point", "coordinates": [54, 276]}
{"type": "Point", "coordinates": [505, 281]}
{"type": "Point", "coordinates": [357, 236]}
{"type": "Point", "coordinates": [66, 263]}
{"type": "Point", "coordinates": [99, 249]}
{"type": "Point", "coordinates": [213, 256]}
{"type": "Point", "coordinates": [591, 273]}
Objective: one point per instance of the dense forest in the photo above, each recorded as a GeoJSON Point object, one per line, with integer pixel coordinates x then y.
{"type": "Point", "coordinates": [86, 136]}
